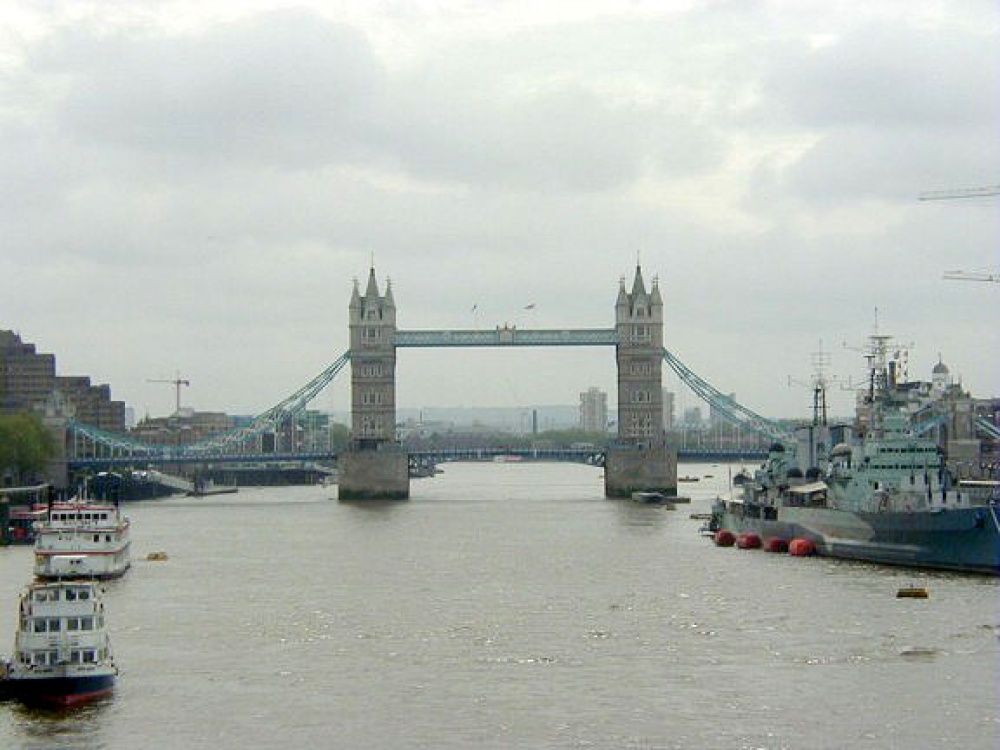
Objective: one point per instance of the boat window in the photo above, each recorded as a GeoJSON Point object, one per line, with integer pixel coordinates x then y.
{"type": "Point", "coordinates": [54, 625]}
{"type": "Point", "coordinates": [86, 623]}
{"type": "Point", "coordinates": [89, 657]}
{"type": "Point", "coordinates": [74, 657]}
{"type": "Point", "coordinates": [72, 623]}
{"type": "Point", "coordinates": [84, 594]}
{"type": "Point", "coordinates": [71, 595]}
{"type": "Point", "coordinates": [97, 537]}
{"type": "Point", "coordinates": [40, 625]}
{"type": "Point", "coordinates": [107, 537]}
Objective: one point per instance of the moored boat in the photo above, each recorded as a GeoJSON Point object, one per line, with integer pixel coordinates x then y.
{"type": "Point", "coordinates": [81, 539]}
{"type": "Point", "coordinates": [62, 652]}
{"type": "Point", "coordinates": [887, 496]}
{"type": "Point", "coordinates": [20, 509]}
{"type": "Point", "coordinates": [654, 498]}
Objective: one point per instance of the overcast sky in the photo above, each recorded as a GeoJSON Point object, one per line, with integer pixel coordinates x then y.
{"type": "Point", "coordinates": [191, 187]}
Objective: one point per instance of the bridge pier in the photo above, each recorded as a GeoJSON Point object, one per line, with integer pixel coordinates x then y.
{"type": "Point", "coordinates": [374, 475]}
{"type": "Point", "coordinates": [633, 468]}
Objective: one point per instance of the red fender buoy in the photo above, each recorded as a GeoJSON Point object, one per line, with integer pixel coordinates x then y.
{"type": "Point", "coordinates": [801, 548]}
{"type": "Point", "coordinates": [724, 538]}
{"type": "Point", "coordinates": [748, 540]}
{"type": "Point", "coordinates": [775, 544]}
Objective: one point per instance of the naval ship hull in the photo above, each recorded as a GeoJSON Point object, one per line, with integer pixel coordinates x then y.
{"type": "Point", "coordinates": [961, 539]}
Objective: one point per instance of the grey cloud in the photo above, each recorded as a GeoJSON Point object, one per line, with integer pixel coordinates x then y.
{"type": "Point", "coordinates": [291, 90]}
{"type": "Point", "coordinates": [283, 88]}
{"type": "Point", "coordinates": [564, 138]}
{"type": "Point", "coordinates": [891, 76]}
{"type": "Point", "coordinates": [894, 110]}
{"type": "Point", "coordinates": [853, 164]}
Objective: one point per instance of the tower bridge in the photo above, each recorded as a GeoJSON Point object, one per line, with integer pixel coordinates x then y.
{"type": "Point", "coordinates": [376, 465]}
{"type": "Point", "coordinates": [640, 459]}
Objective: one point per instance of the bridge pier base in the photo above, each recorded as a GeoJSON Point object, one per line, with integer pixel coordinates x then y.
{"type": "Point", "coordinates": [374, 475]}
{"type": "Point", "coordinates": [629, 469]}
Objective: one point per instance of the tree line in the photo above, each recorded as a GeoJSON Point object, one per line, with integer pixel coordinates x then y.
{"type": "Point", "coordinates": [25, 448]}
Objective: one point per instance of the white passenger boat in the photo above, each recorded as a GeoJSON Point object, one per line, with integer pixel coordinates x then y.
{"type": "Point", "coordinates": [62, 652]}
{"type": "Point", "coordinates": [81, 539]}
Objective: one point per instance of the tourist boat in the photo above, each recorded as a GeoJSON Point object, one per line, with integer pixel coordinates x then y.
{"type": "Point", "coordinates": [62, 652]}
{"type": "Point", "coordinates": [82, 539]}
{"type": "Point", "coordinates": [22, 524]}
{"type": "Point", "coordinates": [20, 509]}
{"type": "Point", "coordinates": [885, 497]}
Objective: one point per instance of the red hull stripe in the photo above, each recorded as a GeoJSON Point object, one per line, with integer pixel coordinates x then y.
{"type": "Point", "coordinates": [75, 699]}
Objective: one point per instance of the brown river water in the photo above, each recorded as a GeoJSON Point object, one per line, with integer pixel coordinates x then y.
{"type": "Point", "coordinates": [513, 606]}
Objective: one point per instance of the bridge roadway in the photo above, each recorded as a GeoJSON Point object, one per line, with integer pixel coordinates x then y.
{"type": "Point", "coordinates": [594, 456]}
{"type": "Point", "coordinates": [507, 336]}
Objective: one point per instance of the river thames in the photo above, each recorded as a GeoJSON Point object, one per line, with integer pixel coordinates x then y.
{"type": "Point", "coordinates": [513, 606]}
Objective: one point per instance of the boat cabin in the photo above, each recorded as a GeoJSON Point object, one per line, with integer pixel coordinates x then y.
{"type": "Point", "coordinates": [83, 515]}
{"type": "Point", "coordinates": [811, 495]}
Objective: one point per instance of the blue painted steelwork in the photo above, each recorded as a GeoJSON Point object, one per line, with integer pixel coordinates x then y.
{"type": "Point", "coordinates": [206, 458]}
{"type": "Point", "coordinates": [589, 456]}
{"type": "Point", "coordinates": [124, 450]}
{"type": "Point", "coordinates": [988, 427]}
{"type": "Point", "coordinates": [290, 407]}
{"type": "Point", "coordinates": [507, 336]}
{"type": "Point", "coordinates": [930, 424]}
{"type": "Point", "coordinates": [593, 456]}
{"type": "Point", "coordinates": [727, 406]}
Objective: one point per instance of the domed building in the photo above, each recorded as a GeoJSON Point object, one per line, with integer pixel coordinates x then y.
{"type": "Point", "coordinates": [940, 377]}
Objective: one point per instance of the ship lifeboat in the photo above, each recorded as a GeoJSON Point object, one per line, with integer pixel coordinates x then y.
{"type": "Point", "coordinates": [748, 540]}
{"type": "Point", "coordinates": [724, 538]}
{"type": "Point", "coordinates": [801, 548]}
{"type": "Point", "coordinates": [775, 544]}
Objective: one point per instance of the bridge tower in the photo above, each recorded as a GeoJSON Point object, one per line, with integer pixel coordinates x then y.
{"type": "Point", "coordinates": [641, 459]}
{"type": "Point", "coordinates": [375, 467]}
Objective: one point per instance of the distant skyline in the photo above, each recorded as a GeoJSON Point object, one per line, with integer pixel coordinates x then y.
{"type": "Point", "coordinates": [190, 188]}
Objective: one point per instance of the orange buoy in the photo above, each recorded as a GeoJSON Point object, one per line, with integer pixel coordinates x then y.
{"type": "Point", "coordinates": [801, 547]}
{"type": "Point", "coordinates": [724, 538]}
{"type": "Point", "coordinates": [775, 544]}
{"type": "Point", "coordinates": [748, 540]}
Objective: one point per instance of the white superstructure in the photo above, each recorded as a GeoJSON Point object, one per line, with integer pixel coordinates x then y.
{"type": "Point", "coordinates": [62, 652]}
{"type": "Point", "coordinates": [80, 539]}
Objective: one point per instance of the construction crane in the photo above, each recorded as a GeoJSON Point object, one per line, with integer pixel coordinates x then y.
{"type": "Point", "coordinates": [984, 191]}
{"type": "Point", "coordinates": [960, 193]}
{"type": "Point", "coordinates": [177, 382]}
{"type": "Point", "coordinates": [972, 276]}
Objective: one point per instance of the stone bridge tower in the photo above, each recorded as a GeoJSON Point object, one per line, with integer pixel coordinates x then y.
{"type": "Point", "coordinates": [639, 325]}
{"type": "Point", "coordinates": [375, 467]}
{"type": "Point", "coordinates": [373, 365]}
{"type": "Point", "coordinates": [641, 460]}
